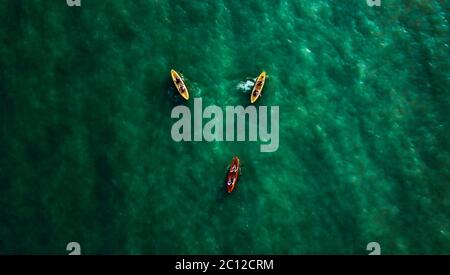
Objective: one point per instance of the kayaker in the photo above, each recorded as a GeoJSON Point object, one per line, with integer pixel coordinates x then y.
{"type": "Point", "coordinates": [179, 84]}
{"type": "Point", "coordinates": [230, 181]}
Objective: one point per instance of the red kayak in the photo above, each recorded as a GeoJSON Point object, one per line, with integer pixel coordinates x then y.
{"type": "Point", "coordinates": [233, 174]}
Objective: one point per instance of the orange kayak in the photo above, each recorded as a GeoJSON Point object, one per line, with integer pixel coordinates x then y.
{"type": "Point", "coordinates": [179, 84]}
{"type": "Point", "coordinates": [257, 89]}
{"type": "Point", "coordinates": [233, 174]}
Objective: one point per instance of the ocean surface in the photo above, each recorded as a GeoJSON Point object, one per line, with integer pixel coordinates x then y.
{"type": "Point", "coordinates": [86, 153]}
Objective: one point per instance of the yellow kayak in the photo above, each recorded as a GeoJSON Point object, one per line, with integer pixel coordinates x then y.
{"type": "Point", "coordinates": [257, 89]}
{"type": "Point", "coordinates": [179, 84]}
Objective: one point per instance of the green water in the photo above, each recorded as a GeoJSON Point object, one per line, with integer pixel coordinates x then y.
{"type": "Point", "coordinates": [86, 153]}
